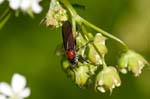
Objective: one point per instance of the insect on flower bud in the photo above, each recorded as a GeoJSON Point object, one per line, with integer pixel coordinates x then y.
{"type": "Point", "coordinates": [56, 15]}
{"type": "Point", "coordinates": [107, 79]}
{"type": "Point", "coordinates": [131, 61]}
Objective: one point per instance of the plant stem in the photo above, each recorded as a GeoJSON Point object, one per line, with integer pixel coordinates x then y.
{"type": "Point", "coordinates": [4, 18]}
{"type": "Point", "coordinates": [74, 27]}
{"type": "Point", "coordinates": [4, 14]}
{"type": "Point", "coordinates": [104, 63]}
{"type": "Point", "coordinates": [2, 23]}
{"type": "Point", "coordinates": [69, 7]}
{"type": "Point", "coordinates": [102, 32]}
{"type": "Point", "coordinates": [76, 17]}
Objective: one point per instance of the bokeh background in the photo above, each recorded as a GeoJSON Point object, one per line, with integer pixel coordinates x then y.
{"type": "Point", "coordinates": [28, 48]}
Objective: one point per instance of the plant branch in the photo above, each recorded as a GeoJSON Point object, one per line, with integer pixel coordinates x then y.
{"type": "Point", "coordinates": [78, 18]}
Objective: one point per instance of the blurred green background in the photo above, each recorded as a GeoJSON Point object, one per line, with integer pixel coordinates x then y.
{"type": "Point", "coordinates": [28, 48]}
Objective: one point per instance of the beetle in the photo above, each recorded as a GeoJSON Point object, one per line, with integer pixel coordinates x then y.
{"type": "Point", "coordinates": [69, 43]}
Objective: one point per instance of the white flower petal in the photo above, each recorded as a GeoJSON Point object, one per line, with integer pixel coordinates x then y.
{"type": "Point", "coordinates": [1, 1]}
{"type": "Point", "coordinates": [25, 93]}
{"type": "Point", "coordinates": [25, 4]}
{"type": "Point", "coordinates": [101, 89]}
{"type": "Point", "coordinates": [18, 83]}
{"type": "Point", "coordinates": [5, 89]}
{"type": "Point", "coordinates": [113, 86]}
{"type": "Point", "coordinates": [14, 4]}
{"type": "Point", "coordinates": [124, 71]}
{"type": "Point", "coordinates": [2, 97]}
{"type": "Point", "coordinates": [36, 7]}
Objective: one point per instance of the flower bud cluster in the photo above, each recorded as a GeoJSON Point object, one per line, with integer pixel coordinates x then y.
{"type": "Point", "coordinates": [55, 15]}
{"type": "Point", "coordinates": [27, 6]}
{"type": "Point", "coordinates": [86, 60]}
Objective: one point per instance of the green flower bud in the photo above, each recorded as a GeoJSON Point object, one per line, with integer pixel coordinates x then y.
{"type": "Point", "coordinates": [56, 15]}
{"type": "Point", "coordinates": [65, 64]}
{"type": "Point", "coordinates": [107, 79]}
{"type": "Point", "coordinates": [80, 75]}
{"type": "Point", "coordinates": [99, 42]}
{"type": "Point", "coordinates": [93, 56]}
{"type": "Point", "coordinates": [131, 61]}
{"type": "Point", "coordinates": [80, 44]}
{"type": "Point", "coordinates": [83, 74]}
{"type": "Point", "coordinates": [68, 70]}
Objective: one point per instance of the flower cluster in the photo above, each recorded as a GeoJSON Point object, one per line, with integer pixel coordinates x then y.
{"type": "Point", "coordinates": [17, 90]}
{"type": "Point", "coordinates": [27, 6]}
{"type": "Point", "coordinates": [89, 62]}
{"type": "Point", "coordinates": [90, 51]}
{"type": "Point", "coordinates": [55, 15]}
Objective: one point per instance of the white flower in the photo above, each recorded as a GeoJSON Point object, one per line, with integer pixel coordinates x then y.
{"type": "Point", "coordinates": [26, 5]}
{"type": "Point", "coordinates": [17, 89]}
{"type": "Point", "coordinates": [14, 4]}
{"type": "Point", "coordinates": [35, 6]}
{"type": "Point", "coordinates": [2, 97]}
{"type": "Point", "coordinates": [31, 4]}
{"type": "Point", "coordinates": [1, 1]}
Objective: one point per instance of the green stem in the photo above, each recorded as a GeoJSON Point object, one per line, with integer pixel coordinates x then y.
{"type": "Point", "coordinates": [4, 14]}
{"type": "Point", "coordinates": [2, 23]}
{"type": "Point", "coordinates": [78, 18]}
{"type": "Point", "coordinates": [4, 18]}
{"type": "Point", "coordinates": [69, 7]}
{"type": "Point", "coordinates": [74, 27]}
{"type": "Point", "coordinates": [104, 63]}
{"type": "Point", "coordinates": [102, 32]}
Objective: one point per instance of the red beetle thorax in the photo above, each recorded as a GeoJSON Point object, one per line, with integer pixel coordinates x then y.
{"type": "Point", "coordinates": [70, 54]}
